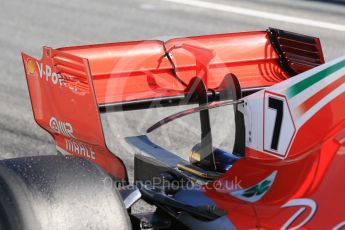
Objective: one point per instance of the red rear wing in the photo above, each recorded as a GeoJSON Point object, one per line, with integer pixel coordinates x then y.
{"type": "Point", "coordinates": [121, 71]}
{"type": "Point", "coordinates": [69, 87]}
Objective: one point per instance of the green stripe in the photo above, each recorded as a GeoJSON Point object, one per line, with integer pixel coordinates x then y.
{"type": "Point", "coordinates": [304, 84]}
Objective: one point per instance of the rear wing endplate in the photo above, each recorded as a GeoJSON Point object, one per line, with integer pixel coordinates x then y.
{"type": "Point", "coordinates": [64, 104]}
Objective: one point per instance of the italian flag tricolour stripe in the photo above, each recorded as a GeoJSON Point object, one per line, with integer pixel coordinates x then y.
{"type": "Point", "coordinates": [311, 93]}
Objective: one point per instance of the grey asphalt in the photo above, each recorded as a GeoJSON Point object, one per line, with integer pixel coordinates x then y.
{"type": "Point", "coordinates": [28, 25]}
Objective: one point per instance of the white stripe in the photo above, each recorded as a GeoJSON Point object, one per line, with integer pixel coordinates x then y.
{"type": "Point", "coordinates": [312, 90]}
{"type": "Point", "coordinates": [260, 14]}
{"type": "Point", "coordinates": [306, 116]}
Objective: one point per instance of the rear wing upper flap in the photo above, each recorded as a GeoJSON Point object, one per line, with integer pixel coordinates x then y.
{"type": "Point", "coordinates": [133, 71]}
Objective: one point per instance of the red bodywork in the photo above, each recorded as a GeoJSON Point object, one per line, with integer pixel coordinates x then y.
{"type": "Point", "coordinates": [84, 78]}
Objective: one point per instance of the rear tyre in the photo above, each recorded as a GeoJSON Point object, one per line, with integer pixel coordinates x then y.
{"type": "Point", "coordinates": [55, 192]}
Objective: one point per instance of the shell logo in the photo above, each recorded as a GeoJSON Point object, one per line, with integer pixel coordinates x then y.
{"type": "Point", "coordinates": [31, 67]}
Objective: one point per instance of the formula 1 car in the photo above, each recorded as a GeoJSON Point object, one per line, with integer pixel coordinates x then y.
{"type": "Point", "coordinates": [288, 145]}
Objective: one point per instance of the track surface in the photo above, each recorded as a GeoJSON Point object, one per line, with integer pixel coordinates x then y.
{"type": "Point", "coordinates": [28, 25]}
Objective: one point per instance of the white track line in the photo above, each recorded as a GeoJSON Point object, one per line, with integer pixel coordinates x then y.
{"type": "Point", "coordinates": [260, 14]}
